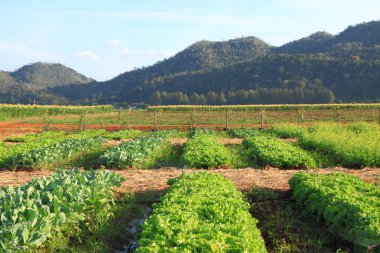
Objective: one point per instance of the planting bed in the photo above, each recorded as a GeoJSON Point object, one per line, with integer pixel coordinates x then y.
{"type": "Point", "coordinates": [183, 153]}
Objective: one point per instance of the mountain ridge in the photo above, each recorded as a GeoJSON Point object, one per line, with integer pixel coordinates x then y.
{"type": "Point", "coordinates": [342, 67]}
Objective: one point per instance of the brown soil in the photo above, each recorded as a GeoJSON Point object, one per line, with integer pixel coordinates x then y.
{"type": "Point", "coordinates": [18, 128]}
{"type": "Point", "coordinates": [290, 140]}
{"type": "Point", "coordinates": [178, 141]}
{"type": "Point", "coordinates": [113, 143]}
{"type": "Point", "coordinates": [230, 141]}
{"type": "Point", "coordinates": [155, 180]}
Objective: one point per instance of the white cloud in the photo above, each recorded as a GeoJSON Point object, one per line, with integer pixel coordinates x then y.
{"type": "Point", "coordinates": [114, 42]}
{"type": "Point", "coordinates": [86, 55]}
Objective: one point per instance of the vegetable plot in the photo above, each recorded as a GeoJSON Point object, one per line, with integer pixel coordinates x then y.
{"type": "Point", "coordinates": [354, 146]}
{"type": "Point", "coordinates": [133, 153]}
{"type": "Point", "coordinates": [51, 154]}
{"type": "Point", "coordinates": [245, 132]}
{"type": "Point", "coordinates": [33, 213]}
{"type": "Point", "coordinates": [349, 206]}
{"type": "Point", "coordinates": [203, 151]}
{"type": "Point", "coordinates": [202, 212]}
{"type": "Point", "coordinates": [275, 152]}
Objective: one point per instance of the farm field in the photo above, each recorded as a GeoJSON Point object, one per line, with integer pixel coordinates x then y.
{"type": "Point", "coordinates": [255, 165]}
{"type": "Point", "coordinates": [36, 118]}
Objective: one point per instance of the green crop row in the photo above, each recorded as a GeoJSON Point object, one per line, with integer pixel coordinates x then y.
{"type": "Point", "coordinates": [38, 145]}
{"type": "Point", "coordinates": [133, 152]}
{"type": "Point", "coordinates": [244, 132]}
{"type": "Point", "coordinates": [276, 152]}
{"type": "Point", "coordinates": [35, 212]}
{"type": "Point", "coordinates": [286, 130]}
{"type": "Point", "coordinates": [54, 153]}
{"type": "Point", "coordinates": [351, 146]}
{"type": "Point", "coordinates": [201, 212]}
{"type": "Point", "coordinates": [203, 151]}
{"type": "Point", "coordinates": [40, 110]}
{"type": "Point", "coordinates": [36, 137]}
{"type": "Point", "coordinates": [8, 153]}
{"type": "Point", "coordinates": [349, 206]}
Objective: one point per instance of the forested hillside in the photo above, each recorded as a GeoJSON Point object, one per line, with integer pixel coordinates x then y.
{"type": "Point", "coordinates": [28, 84]}
{"type": "Point", "coordinates": [320, 68]}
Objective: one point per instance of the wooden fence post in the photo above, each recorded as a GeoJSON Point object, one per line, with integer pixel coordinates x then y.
{"type": "Point", "coordinates": [82, 122]}
{"type": "Point", "coordinates": [192, 120]}
{"type": "Point", "coordinates": [336, 114]}
{"type": "Point", "coordinates": [226, 121]}
{"type": "Point", "coordinates": [119, 119]}
{"type": "Point", "coordinates": [262, 119]}
{"type": "Point", "coordinates": [298, 116]}
{"type": "Point", "coordinates": [373, 115]}
{"type": "Point", "coordinates": [155, 120]}
{"type": "Point", "coordinates": [46, 127]}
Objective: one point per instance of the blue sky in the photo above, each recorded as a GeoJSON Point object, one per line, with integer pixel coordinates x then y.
{"type": "Point", "coordinates": [102, 39]}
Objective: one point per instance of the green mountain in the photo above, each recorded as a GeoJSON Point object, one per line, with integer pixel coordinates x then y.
{"type": "Point", "coordinates": [320, 68]}
{"type": "Point", "coordinates": [360, 40]}
{"type": "Point", "coordinates": [202, 55]}
{"type": "Point", "coordinates": [43, 75]}
{"type": "Point", "coordinates": [28, 83]}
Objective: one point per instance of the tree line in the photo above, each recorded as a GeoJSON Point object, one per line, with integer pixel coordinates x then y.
{"type": "Point", "coordinates": [257, 96]}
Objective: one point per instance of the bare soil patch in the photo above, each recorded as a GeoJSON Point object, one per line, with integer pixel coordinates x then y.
{"type": "Point", "coordinates": [230, 141]}
{"type": "Point", "coordinates": [290, 140]}
{"type": "Point", "coordinates": [178, 141]}
{"type": "Point", "coordinates": [155, 180]}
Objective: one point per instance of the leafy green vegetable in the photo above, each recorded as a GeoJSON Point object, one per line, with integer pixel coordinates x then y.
{"type": "Point", "coordinates": [51, 154]}
{"type": "Point", "coordinates": [31, 214]}
{"type": "Point", "coordinates": [349, 206]}
{"type": "Point", "coordinates": [275, 152]}
{"type": "Point", "coordinates": [356, 145]}
{"type": "Point", "coordinates": [202, 212]}
{"type": "Point", "coordinates": [132, 153]}
{"type": "Point", "coordinates": [203, 151]}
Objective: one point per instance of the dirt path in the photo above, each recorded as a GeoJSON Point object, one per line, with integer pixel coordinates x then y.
{"type": "Point", "coordinates": [155, 180]}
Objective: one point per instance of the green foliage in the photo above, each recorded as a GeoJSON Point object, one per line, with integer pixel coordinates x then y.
{"type": "Point", "coordinates": [8, 153]}
{"type": "Point", "coordinates": [204, 131]}
{"type": "Point", "coordinates": [133, 153]}
{"type": "Point", "coordinates": [57, 152]}
{"type": "Point", "coordinates": [35, 212]}
{"type": "Point", "coordinates": [201, 212]}
{"type": "Point", "coordinates": [48, 75]}
{"type": "Point", "coordinates": [275, 152]}
{"type": "Point", "coordinates": [123, 134]}
{"type": "Point", "coordinates": [286, 229]}
{"type": "Point", "coordinates": [203, 151]}
{"type": "Point", "coordinates": [286, 130]}
{"type": "Point", "coordinates": [356, 145]}
{"type": "Point", "coordinates": [244, 132]}
{"type": "Point", "coordinates": [19, 111]}
{"type": "Point", "coordinates": [253, 107]}
{"type": "Point", "coordinates": [49, 135]}
{"type": "Point", "coordinates": [245, 96]}
{"type": "Point", "coordinates": [349, 206]}
{"type": "Point", "coordinates": [320, 68]}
